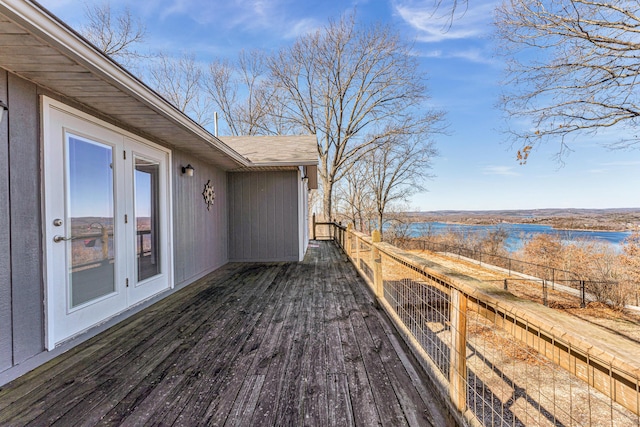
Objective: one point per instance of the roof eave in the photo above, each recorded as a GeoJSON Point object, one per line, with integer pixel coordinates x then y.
{"type": "Point", "coordinates": [46, 26]}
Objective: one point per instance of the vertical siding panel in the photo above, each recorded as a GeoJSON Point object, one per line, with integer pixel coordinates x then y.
{"type": "Point", "coordinates": [253, 207]}
{"type": "Point", "coordinates": [285, 199]}
{"type": "Point", "coordinates": [264, 181]}
{"type": "Point", "coordinates": [270, 212]}
{"type": "Point", "coordinates": [190, 214]}
{"type": "Point", "coordinates": [199, 230]}
{"type": "Point", "coordinates": [221, 207]}
{"type": "Point", "coordinates": [246, 216]}
{"type": "Point", "coordinates": [6, 341]}
{"type": "Point", "coordinates": [280, 215]}
{"type": "Point", "coordinates": [232, 189]}
{"type": "Point", "coordinates": [26, 222]}
{"type": "Point", "coordinates": [292, 224]}
{"type": "Point", "coordinates": [200, 245]}
{"type": "Point", "coordinates": [264, 211]}
{"type": "Point", "coordinates": [236, 197]}
{"type": "Point", "coordinates": [178, 237]}
{"type": "Point", "coordinates": [216, 226]}
{"type": "Point", "coordinates": [240, 233]}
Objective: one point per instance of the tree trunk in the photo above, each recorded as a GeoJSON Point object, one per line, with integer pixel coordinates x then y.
{"type": "Point", "coordinates": [327, 188]}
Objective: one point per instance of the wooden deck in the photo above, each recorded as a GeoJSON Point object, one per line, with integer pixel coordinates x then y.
{"type": "Point", "coordinates": [278, 344]}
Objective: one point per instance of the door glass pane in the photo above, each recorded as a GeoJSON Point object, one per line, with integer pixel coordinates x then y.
{"type": "Point", "coordinates": [90, 216]}
{"type": "Point", "coordinates": [147, 218]}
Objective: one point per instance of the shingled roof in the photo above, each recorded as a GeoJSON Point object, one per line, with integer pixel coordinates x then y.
{"type": "Point", "coordinates": [274, 151]}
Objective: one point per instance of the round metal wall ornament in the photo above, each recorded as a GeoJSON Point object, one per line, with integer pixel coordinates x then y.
{"type": "Point", "coordinates": [208, 194]}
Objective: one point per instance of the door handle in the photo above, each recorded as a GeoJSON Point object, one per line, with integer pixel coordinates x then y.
{"type": "Point", "coordinates": [59, 239]}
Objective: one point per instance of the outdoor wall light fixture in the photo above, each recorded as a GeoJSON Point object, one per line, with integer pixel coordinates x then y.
{"type": "Point", "coordinates": [188, 170]}
{"type": "Point", "coordinates": [3, 108]}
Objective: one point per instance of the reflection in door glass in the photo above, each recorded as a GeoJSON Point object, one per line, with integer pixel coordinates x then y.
{"type": "Point", "coordinates": [147, 218]}
{"type": "Point", "coordinates": [90, 219]}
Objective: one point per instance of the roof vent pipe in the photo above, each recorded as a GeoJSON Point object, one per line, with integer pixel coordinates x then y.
{"type": "Point", "coordinates": [215, 124]}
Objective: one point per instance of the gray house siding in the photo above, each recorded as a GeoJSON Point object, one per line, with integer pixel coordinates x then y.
{"type": "Point", "coordinates": [21, 289]}
{"type": "Point", "coordinates": [6, 325]}
{"type": "Point", "coordinates": [200, 234]}
{"type": "Point", "coordinates": [263, 216]}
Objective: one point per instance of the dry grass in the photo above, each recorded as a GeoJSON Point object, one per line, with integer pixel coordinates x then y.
{"type": "Point", "coordinates": [513, 350]}
{"type": "Point", "coordinates": [623, 322]}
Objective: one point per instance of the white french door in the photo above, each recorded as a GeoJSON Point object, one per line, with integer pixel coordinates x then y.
{"type": "Point", "coordinates": [107, 221]}
{"type": "Point", "coordinates": [148, 226]}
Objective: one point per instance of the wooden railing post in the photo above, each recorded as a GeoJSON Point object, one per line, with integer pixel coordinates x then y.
{"type": "Point", "coordinates": [376, 262]}
{"type": "Point", "coordinates": [313, 225]}
{"type": "Point", "coordinates": [332, 227]}
{"type": "Point", "coordinates": [349, 239]}
{"type": "Point", "coordinates": [105, 244]}
{"type": "Point", "coordinates": [458, 363]}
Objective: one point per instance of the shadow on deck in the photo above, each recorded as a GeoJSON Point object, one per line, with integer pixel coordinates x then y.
{"type": "Point", "coordinates": [250, 344]}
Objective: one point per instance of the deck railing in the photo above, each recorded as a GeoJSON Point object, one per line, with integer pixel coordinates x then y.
{"type": "Point", "coordinates": [493, 363]}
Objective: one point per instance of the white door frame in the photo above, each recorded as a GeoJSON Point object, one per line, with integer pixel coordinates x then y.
{"type": "Point", "coordinates": [62, 322]}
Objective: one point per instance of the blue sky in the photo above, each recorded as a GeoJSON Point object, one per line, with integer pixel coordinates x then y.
{"type": "Point", "coordinates": [476, 169]}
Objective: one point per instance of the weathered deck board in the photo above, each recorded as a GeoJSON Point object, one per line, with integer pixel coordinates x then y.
{"type": "Point", "coordinates": [250, 344]}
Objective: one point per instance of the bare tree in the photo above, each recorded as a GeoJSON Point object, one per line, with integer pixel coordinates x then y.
{"type": "Point", "coordinates": [353, 197]}
{"type": "Point", "coordinates": [115, 34]}
{"type": "Point", "coordinates": [450, 7]}
{"type": "Point", "coordinates": [398, 166]}
{"type": "Point", "coordinates": [350, 86]}
{"type": "Point", "coordinates": [222, 88]}
{"type": "Point", "coordinates": [239, 92]}
{"type": "Point", "coordinates": [573, 70]}
{"type": "Point", "coordinates": [630, 260]}
{"type": "Point", "coordinates": [179, 80]}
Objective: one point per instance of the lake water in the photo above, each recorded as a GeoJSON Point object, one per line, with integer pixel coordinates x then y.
{"type": "Point", "coordinates": [518, 231]}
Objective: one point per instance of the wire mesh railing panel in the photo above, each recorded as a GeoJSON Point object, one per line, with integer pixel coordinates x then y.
{"type": "Point", "coordinates": [512, 384]}
{"type": "Point", "coordinates": [422, 308]}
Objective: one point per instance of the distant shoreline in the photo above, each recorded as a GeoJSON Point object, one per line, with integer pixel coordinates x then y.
{"type": "Point", "coordinates": [480, 224]}
{"type": "Point", "coordinates": [606, 226]}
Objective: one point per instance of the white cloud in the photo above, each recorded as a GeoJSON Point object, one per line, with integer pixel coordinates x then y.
{"type": "Point", "coordinates": [301, 27]}
{"type": "Point", "coordinates": [473, 55]}
{"type": "Point", "coordinates": [435, 25]}
{"type": "Point", "coordinates": [623, 163]}
{"type": "Point", "coordinates": [254, 14]}
{"type": "Point", "coordinates": [433, 54]}
{"type": "Point", "coordinates": [500, 170]}
{"type": "Point", "coordinates": [478, 56]}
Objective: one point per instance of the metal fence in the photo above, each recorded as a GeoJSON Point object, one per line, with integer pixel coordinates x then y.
{"type": "Point", "coordinates": [587, 289]}
{"type": "Point", "coordinates": [493, 363]}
